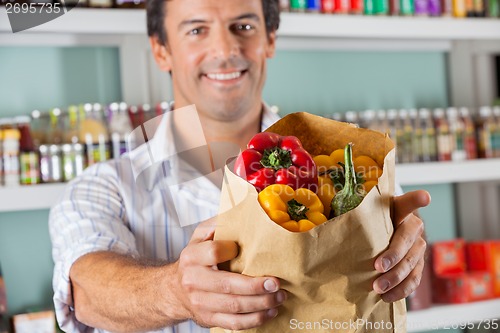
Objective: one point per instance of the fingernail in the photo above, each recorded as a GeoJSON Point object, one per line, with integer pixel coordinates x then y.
{"type": "Point", "coordinates": [386, 263]}
{"type": "Point", "coordinates": [271, 313]}
{"type": "Point", "coordinates": [280, 296]}
{"type": "Point", "coordinates": [270, 286]}
{"type": "Point", "coordinates": [383, 285]}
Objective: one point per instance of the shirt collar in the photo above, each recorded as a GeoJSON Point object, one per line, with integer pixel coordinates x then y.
{"type": "Point", "coordinates": [155, 161]}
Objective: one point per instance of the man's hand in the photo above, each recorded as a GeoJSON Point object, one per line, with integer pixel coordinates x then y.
{"type": "Point", "coordinates": [219, 298]}
{"type": "Point", "coordinates": [403, 261]}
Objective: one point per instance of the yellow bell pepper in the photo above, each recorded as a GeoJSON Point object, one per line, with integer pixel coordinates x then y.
{"type": "Point", "coordinates": [297, 211]}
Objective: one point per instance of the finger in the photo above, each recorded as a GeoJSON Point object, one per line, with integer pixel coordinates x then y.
{"type": "Point", "coordinates": [223, 303]}
{"type": "Point", "coordinates": [223, 282]}
{"type": "Point", "coordinates": [204, 231]}
{"type": "Point", "coordinates": [408, 286]}
{"type": "Point", "coordinates": [407, 203]}
{"type": "Point", "coordinates": [402, 241]}
{"type": "Point", "coordinates": [243, 321]}
{"type": "Point", "coordinates": [209, 253]}
{"type": "Point", "coordinates": [401, 271]}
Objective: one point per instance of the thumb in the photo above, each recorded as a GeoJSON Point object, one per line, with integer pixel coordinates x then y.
{"type": "Point", "coordinates": [204, 231]}
{"type": "Point", "coordinates": [407, 203]}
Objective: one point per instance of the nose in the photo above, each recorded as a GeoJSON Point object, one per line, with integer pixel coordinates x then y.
{"type": "Point", "coordinates": [224, 44]}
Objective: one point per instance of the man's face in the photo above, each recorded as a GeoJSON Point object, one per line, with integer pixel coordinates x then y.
{"type": "Point", "coordinates": [217, 51]}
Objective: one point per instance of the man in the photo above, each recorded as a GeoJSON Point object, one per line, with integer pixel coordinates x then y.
{"type": "Point", "coordinates": [123, 261]}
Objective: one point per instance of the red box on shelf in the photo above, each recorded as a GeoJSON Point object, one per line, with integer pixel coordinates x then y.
{"type": "Point", "coordinates": [485, 256]}
{"type": "Point", "coordinates": [462, 287]}
{"type": "Point", "coordinates": [448, 257]}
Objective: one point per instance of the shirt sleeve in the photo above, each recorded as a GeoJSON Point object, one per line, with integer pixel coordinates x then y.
{"type": "Point", "coordinates": [89, 217]}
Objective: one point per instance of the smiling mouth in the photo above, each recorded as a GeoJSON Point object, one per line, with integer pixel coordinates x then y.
{"type": "Point", "coordinates": [225, 76]}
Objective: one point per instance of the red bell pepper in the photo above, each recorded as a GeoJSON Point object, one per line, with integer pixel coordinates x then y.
{"type": "Point", "coordinates": [274, 159]}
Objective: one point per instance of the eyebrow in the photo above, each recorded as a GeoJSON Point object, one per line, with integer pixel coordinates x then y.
{"type": "Point", "coordinates": [251, 16]}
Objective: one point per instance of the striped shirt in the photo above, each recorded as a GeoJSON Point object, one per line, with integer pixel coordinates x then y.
{"type": "Point", "coordinates": [125, 205]}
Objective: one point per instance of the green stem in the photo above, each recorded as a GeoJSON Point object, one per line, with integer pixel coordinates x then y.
{"type": "Point", "coordinates": [276, 158]}
{"type": "Point", "coordinates": [296, 210]}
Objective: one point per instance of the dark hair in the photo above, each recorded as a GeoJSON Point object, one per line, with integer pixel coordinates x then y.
{"type": "Point", "coordinates": [156, 15]}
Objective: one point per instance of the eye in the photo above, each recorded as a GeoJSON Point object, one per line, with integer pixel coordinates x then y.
{"type": "Point", "coordinates": [244, 27]}
{"type": "Point", "coordinates": [196, 31]}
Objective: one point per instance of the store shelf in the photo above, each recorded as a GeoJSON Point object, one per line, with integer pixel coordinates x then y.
{"type": "Point", "coordinates": [29, 197]}
{"type": "Point", "coordinates": [131, 21]}
{"type": "Point", "coordinates": [448, 172]}
{"type": "Point", "coordinates": [45, 195]}
{"type": "Point", "coordinates": [452, 316]}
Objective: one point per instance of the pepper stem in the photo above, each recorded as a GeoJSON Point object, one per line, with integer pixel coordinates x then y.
{"type": "Point", "coordinates": [276, 158]}
{"type": "Point", "coordinates": [350, 178]}
{"type": "Point", "coordinates": [296, 210]}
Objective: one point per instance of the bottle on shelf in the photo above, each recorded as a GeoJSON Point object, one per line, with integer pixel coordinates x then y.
{"type": "Point", "coordinates": [496, 134]}
{"type": "Point", "coordinates": [479, 8]}
{"type": "Point", "coordinates": [429, 146]}
{"type": "Point", "coordinates": [327, 6]}
{"type": "Point", "coordinates": [119, 127]}
{"type": "Point", "coordinates": [73, 160]}
{"type": "Point", "coordinates": [298, 6]}
{"type": "Point", "coordinates": [71, 128]}
{"type": "Point", "coordinates": [470, 143]}
{"type": "Point", "coordinates": [459, 8]}
{"type": "Point", "coordinates": [369, 7]}
{"type": "Point", "coordinates": [356, 7]}
{"type": "Point", "coordinates": [443, 135]}
{"type": "Point", "coordinates": [485, 127]}
{"type": "Point", "coordinates": [392, 116]}
{"type": "Point", "coordinates": [421, 7]}
{"type": "Point", "coordinates": [435, 8]}
{"type": "Point", "coordinates": [284, 5]}
{"type": "Point", "coordinates": [28, 155]}
{"type": "Point", "coordinates": [458, 152]}
{"type": "Point", "coordinates": [100, 3]}
{"type": "Point", "coordinates": [1, 157]}
{"type": "Point", "coordinates": [469, 8]}
{"type": "Point", "coordinates": [394, 8]}
{"type": "Point", "coordinates": [56, 132]}
{"type": "Point", "coordinates": [405, 137]}
{"type": "Point", "coordinates": [381, 7]}
{"type": "Point", "coordinates": [492, 8]}
{"type": "Point", "coordinates": [313, 6]}
{"type": "Point", "coordinates": [446, 8]}
{"type": "Point", "coordinates": [131, 4]}
{"type": "Point", "coordinates": [341, 7]}
{"type": "Point", "coordinates": [407, 7]}
{"type": "Point", "coordinates": [94, 134]}
{"type": "Point", "coordinates": [39, 124]}
{"type": "Point", "coordinates": [10, 158]}
{"type": "Point", "coordinates": [417, 139]}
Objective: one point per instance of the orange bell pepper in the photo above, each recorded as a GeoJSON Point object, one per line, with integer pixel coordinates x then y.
{"type": "Point", "coordinates": [295, 210]}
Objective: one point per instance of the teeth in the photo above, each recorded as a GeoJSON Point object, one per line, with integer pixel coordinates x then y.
{"type": "Point", "coordinates": [224, 77]}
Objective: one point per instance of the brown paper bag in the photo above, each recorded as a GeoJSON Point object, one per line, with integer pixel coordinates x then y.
{"type": "Point", "coordinates": [328, 271]}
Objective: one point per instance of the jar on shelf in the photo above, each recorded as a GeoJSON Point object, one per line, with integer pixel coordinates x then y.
{"type": "Point", "coordinates": [51, 163]}
{"type": "Point", "coordinates": [130, 4]}
{"type": "Point", "coordinates": [94, 134]}
{"type": "Point", "coordinates": [28, 156]}
{"type": "Point", "coordinates": [11, 156]}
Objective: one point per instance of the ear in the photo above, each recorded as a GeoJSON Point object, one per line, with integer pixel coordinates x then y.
{"type": "Point", "coordinates": [161, 54]}
{"type": "Point", "coordinates": [271, 44]}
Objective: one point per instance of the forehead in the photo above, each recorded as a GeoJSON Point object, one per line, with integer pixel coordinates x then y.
{"type": "Point", "coordinates": [179, 10]}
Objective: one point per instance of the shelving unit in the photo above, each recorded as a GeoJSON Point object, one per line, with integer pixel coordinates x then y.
{"type": "Point", "coordinates": [133, 21]}
{"type": "Point", "coordinates": [464, 39]}
{"type": "Point", "coordinates": [30, 197]}
{"type": "Point", "coordinates": [45, 195]}
{"type": "Point", "coordinates": [448, 172]}
{"type": "Point", "coordinates": [453, 316]}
